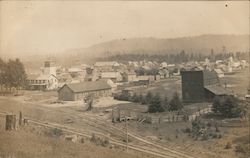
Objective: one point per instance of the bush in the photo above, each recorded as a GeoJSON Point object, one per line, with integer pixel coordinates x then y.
{"type": "Point", "coordinates": [135, 98]}
{"type": "Point", "coordinates": [93, 138]}
{"type": "Point", "coordinates": [55, 132]}
{"type": "Point", "coordinates": [228, 145]}
{"type": "Point", "coordinates": [187, 130]}
{"type": "Point", "coordinates": [105, 142]}
{"type": "Point", "coordinates": [227, 106]}
{"type": "Point", "coordinates": [242, 148]}
{"type": "Point", "coordinates": [122, 97]}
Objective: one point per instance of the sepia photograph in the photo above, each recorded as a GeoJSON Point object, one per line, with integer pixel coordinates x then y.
{"type": "Point", "coordinates": [124, 79]}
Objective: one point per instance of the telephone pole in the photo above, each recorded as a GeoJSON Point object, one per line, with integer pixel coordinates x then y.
{"type": "Point", "coordinates": [126, 133]}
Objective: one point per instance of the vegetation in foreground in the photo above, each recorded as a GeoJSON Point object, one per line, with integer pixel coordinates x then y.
{"type": "Point", "coordinates": [155, 102]}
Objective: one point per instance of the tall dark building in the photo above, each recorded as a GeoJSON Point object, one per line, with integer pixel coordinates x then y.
{"type": "Point", "coordinates": [200, 86]}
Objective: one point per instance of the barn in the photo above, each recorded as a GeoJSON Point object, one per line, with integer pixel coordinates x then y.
{"type": "Point", "coordinates": [78, 91]}
{"type": "Point", "coordinates": [201, 85]}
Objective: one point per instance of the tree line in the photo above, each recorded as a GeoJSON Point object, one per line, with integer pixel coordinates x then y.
{"type": "Point", "coordinates": [176, 58]}
{"type": "Point", "coordinates": [155, 102]}
{"type": "Point", "coordinates": [12, 74]}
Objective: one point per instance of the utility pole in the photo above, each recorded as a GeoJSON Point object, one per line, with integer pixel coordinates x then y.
{"type": "Point", "coordinates": [126, 133]}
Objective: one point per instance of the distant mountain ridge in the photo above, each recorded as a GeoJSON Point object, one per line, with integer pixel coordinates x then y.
{"type": "Point", "coordinates": [195, 44]}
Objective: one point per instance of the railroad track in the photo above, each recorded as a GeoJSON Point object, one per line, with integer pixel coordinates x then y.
{"type": "Point", "coordinates": [139, 143]}
{"type": "Point", "coordinates": [88, 135]}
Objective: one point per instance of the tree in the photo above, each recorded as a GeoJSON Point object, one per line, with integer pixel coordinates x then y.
{"type": "Point", "coordinates": [135, 98]}
{"type": "Point", "coordinates": [155, 104]}
{"type": "Point", "coordinates": [216, 104]}
{"type": "Point", "coordinates": [228, 106]}
{"type": "Point", "coordinates": [148, 98]}
{"type": "Point", "coordinates": [165, 103]}
{"type": "Point", "coordinates": [2, 72]}
{"type": "Point", "coordinates": [140, 71]}
{"type": "Point", "coordinates": [141, 98]}
{"type": "Point", "coordinates": [15, 74]}
{"type": "Point", "coordinates": [175, 103]}
{"type": "Point", "coordinates": [89, 102]}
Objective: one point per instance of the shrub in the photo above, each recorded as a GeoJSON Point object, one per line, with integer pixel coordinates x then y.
{"type": "Point", "coordinates": [228, 145]}
{"type": "Point", "coordinates": [187, 130]}
{"type": "Point", "coordinates": [93, 138]}
{"type": "Point", "coordinates": [55, 132]}
{"type": "Point", "coordinates": [105, 142]}
{"type": "Point", "coordinates": [242, 148]}
{"type": "Point", "coordinates": [227, 106]}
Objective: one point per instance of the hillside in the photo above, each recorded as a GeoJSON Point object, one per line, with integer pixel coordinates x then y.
{"type": "Point", "coordinates": [196, 44]}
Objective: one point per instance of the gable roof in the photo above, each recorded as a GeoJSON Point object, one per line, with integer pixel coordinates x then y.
{"type": "Point", "coordinates": [32, 76]}
{"type": "Point", "coordinates": [88, 86]}
{"type": "Point", "coordinates": [218, 90]}
{"type": "Point", "coordinates": [210, 78]}
{"type": "Point", "coordinates": [218, 71]}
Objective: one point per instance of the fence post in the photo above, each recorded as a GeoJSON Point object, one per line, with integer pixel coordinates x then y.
{"type": "Point", "coordinates": [10, 123]}
{"type": "Point", "coordinates": [20, 118]}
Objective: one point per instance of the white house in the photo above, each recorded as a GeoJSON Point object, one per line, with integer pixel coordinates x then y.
{"type": "Point", "coordinates": [114, 76]}
{"type": "Point", "coordinates": [42, 82]}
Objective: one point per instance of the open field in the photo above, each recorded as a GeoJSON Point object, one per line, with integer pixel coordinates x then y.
{"type": "Point", "coordinates": [237, 82]}
{"type": "Point", "coordinates": [30, 142]}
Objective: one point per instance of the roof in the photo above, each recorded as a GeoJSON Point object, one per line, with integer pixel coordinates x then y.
{"type": "Point", "coordinates": [40, 77]}
{"type": "Point", "coordinates": [33, 76]}
{"type": "Point", "coordinates": [110, 82]}
{"type": "Point", "coordinates": [140, 78]}
{"type": "Point", "coordinates": [218, 71]}
{"type": "Point", "coordinates": [75, 69]}
{"type": "Point", "coordinates": [163, 71]}
{"type": "Point", "coordinates": [210, 78]}
{"type": "Point", "coordinates": [88, 86]}
{"type": "Point", "coordinates": [106, 63]}
{"type": "Point", "coordinates": [110, 74]}
{"type": "Point", "coordinates": [218, 90]}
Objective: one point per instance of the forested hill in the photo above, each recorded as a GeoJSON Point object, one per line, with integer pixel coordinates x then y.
{"type": "Point", "coordinates": [197, 44]}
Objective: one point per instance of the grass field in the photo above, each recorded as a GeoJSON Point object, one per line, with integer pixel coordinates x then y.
{"type": "Point", "coordinates": [28, 143]}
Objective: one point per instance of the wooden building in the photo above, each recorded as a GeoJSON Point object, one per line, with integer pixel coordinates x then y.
{"type": "Point", "coordinates": [201, 85]}
{"type": "Point", "coordinates": [78, 91]}
{"type": "Point", "coordinates": [42, 82]}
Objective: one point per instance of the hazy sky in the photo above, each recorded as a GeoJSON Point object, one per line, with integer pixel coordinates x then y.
{"type": "Point", "coordinates": [46, 26]}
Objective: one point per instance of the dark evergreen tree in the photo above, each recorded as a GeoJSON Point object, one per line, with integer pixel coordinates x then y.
{"type": "Point", "coordinates": [148, 98]}
{"type": "Point", "coordinates": [175, 103]}
{"type": "Point", "coordinates": [228, 107]}
{"type": "Point", "coordinates": [155, 104]}
{"type": "Point", "coordinates": [165, 103]}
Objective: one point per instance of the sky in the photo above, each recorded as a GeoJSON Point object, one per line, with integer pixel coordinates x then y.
{"type": "Point", "coordinates": [33, 27]}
